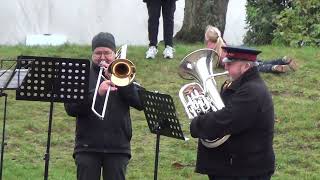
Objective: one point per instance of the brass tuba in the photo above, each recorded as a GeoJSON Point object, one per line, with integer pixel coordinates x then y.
{"type": "Point", "coordinates": [122, 72]}
{"type": "Point", "coordinates": [204, 97]}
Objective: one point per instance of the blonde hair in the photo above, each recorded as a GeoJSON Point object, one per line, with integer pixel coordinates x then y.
{"type": "Point", "coordinates": [213, 34]}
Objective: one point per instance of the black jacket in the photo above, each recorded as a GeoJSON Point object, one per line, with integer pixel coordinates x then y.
{"type": "Point", "coordinates": [248, 116]}
{"type": "Point", "coordinates": [113, 134]}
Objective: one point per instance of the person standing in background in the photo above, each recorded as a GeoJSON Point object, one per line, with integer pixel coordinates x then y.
{"type": "Point", "coordinates": [155, 7]}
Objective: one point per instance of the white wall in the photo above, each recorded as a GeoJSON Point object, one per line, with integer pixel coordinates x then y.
{"type": "Point", "coordinates": [80, 20]}
{"type": "Point", "coordinates": [19, 18]}
{"type": "Point", "coordinates": [235, 22]}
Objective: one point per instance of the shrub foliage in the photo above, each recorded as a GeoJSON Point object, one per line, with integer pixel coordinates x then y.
{"type": "Point", "coordinates": [299, 25]}
{"type": "Point", "coordinates": [260, 20]}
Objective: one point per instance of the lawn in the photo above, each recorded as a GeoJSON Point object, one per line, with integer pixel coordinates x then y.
{"type": "Point", "coordinates": [296, 97]}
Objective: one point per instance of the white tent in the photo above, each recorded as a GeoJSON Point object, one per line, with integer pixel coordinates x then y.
{"type": "Point", "coordinates": [235, 28]}
{"type": "Point", "coordinates": [77, 21]}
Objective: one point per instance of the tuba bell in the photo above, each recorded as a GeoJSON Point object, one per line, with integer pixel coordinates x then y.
{"type": "Point", "coordinates": [201, 97]}
{"type": "Point", "coordinates": [122, 72]}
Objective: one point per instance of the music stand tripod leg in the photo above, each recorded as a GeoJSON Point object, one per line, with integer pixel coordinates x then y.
{"type": "Point", "coordinates": [47, 155]}
{"type": "Point", "coordinates": [3, 131]}
{"type": "Point", "coordinates": [157, 156]}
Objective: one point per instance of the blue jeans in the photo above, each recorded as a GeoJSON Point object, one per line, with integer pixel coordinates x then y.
{"type": "Point", "coordinates": [266, 65]}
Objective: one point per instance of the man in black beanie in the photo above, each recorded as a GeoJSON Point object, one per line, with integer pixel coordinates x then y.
{"type": "Point", "coordinates": [104, 144]}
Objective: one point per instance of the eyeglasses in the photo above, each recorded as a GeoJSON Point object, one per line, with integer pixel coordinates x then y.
{"type": "Point", "coordinates": [99, 54]}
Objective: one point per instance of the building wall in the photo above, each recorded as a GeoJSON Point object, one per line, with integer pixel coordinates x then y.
{"type": "Point", "coordinates": [80, 20]}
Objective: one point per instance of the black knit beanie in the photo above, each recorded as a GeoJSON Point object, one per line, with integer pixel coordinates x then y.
{"type": "Point", "coordinates": [104, 39]}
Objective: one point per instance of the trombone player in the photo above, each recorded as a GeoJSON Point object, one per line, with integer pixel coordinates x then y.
{"type": "Point", "coordinates": [103, 144]}
{"type": "Point", "coordinates": [248, 116]}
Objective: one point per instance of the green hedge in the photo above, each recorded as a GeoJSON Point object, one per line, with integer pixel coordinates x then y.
{"type": "Point", "coordinates": [260, 20]}
{"type": "Point", "coordinates": [287, 22]}
{"type": "Point", "coordinates": [299, 25]}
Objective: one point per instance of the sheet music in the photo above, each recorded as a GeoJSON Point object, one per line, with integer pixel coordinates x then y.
{"type": "Point", "coordinates": [15, 82]}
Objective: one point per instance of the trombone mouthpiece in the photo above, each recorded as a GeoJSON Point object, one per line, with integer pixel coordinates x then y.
{"type": "Point", "coordinates": [102, 63]}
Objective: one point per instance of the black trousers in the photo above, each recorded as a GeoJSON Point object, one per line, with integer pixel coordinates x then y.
{"type": "Point", "coordinates": [89, 165]}
{"type": "Point", "coordinates": [262, 177]}
{"type": "Point", "coordinates": [155, 7]}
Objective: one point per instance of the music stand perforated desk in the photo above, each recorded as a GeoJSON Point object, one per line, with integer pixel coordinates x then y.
{"type": "Point", "coordinates": [161, 116]}
{"type": "Point", "coordinates": [53, 79]}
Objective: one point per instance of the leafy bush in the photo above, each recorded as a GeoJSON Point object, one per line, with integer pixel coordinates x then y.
{"type": "Point", "coordinates": [299, 25]}
{"type": "Point", "coordinates": [260, 15]}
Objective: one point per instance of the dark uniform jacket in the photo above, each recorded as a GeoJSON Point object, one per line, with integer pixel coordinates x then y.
{"type": "Point", "coordinates": [248, 116]}
{"type": "Point", "coordinates": [113, 134]}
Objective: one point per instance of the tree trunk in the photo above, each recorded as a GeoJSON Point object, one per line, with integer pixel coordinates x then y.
{"type": "Point", "coordinates": [200, 13]}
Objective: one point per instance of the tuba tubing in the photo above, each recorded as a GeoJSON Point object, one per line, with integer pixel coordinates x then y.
{"type": "Point", "coordinates": [202, 97]}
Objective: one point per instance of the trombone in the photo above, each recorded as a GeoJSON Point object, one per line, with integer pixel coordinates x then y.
{"type": "Point", "coordinates": [122, 72]}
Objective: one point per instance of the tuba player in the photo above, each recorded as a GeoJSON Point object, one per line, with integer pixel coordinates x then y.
{"type": "Point", "coordinates": [248, 116]}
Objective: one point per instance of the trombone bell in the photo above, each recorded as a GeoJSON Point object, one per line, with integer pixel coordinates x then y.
{"type": "Point", "coordinates": [122, 72]}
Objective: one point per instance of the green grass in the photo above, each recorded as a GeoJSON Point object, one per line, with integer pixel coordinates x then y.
{"type": "Point", "coordinates": [296, 97]}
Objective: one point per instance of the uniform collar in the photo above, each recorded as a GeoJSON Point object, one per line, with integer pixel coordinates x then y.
{"type": "Point", "coordinates": [250, 74]}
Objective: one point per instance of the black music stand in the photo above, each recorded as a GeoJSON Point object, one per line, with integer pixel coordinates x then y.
{"type": "Point", "coordinates": [161, 116]}
{"type": "Point", "coordinates": [52, 79]}
{"type": "Point", "coordinates": [10, 79]}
